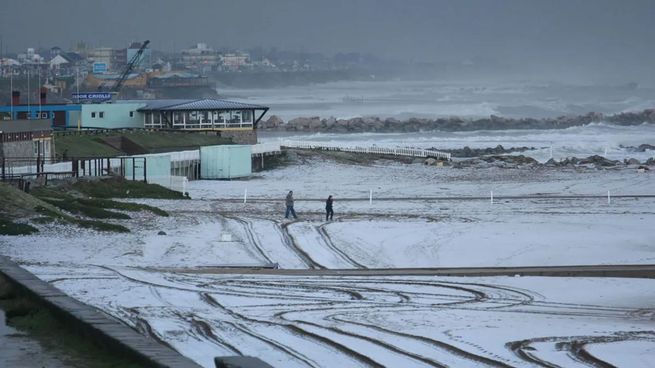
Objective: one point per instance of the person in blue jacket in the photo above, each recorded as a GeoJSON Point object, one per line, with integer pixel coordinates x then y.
{"type": "Point", "coordinates": [329, 213]}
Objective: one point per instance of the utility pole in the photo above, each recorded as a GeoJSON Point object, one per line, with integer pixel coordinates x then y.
{"type": "Point", "coordinates": [11, 92]}
{"type": "Point", "coordinates": [29, 112]}
{"type": "Point", "coordinates": [39, 92]}
{"type": "Point", "coordinates": [77, 82]}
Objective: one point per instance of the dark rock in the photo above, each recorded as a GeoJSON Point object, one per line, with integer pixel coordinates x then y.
{"type": "Point", "coordinates": [597, 160]}
{"type": "Point", "coordinates": [272, 122]}
{"type": "Point", "coordinates": [430, 161]}
{"type": "Point", "coordinates": [375, 124]}
{"type": "Point", "coordinates": [644, 147]}
{"type": "Point", "coordinates": [161, 232]}
{"type": "Point", "coordinates": [632, 161]}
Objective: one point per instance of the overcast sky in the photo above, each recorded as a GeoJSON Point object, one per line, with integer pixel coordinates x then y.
{"type": "Point", "coordinates": [604, 33]}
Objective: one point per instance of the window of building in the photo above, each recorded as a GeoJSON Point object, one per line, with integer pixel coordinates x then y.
{"type": "Point", "coordinates": [131, 114]}
{"type": "Point", "coordinates": [246, 116]}
{"type": "Point", "coordinates": [44, 115]}
{"type": "Point", "coordinates": [93, 115]}
{"type": "Point", "coordinates": [101, 114]}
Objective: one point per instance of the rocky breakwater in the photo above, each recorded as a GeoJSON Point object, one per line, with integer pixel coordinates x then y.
{"type": "Point", "coordinates": [520, 161]}
{"type": "Point", "coordinates": [391, 125]}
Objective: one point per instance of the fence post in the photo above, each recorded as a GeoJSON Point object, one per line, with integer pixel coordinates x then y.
{"type": "Point", "coordinates": [370, 197]}
{"type": "Point", "coordinates": [145, 178]}
{"type": "Point", "coordinates": [492, 196]}
{"type": "Point", "coordinates": [609, 199]}
{"type": "Point", "coordinates": [245, 196]}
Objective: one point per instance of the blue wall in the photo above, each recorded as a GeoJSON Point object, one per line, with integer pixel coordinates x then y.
{"type": "Point", "coordinates": [33, 111]}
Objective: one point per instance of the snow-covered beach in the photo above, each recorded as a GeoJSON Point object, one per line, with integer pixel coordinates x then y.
{"type": "Point", "coordinates": [417, 216]}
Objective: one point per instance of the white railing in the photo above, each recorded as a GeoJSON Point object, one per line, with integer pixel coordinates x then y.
{"type": "Point", "coordinates": [264, 148]}
{"type": "Point", "coordinates": [394, 151]}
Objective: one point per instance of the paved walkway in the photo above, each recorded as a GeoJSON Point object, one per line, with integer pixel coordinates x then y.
{"type": "Point", "coordinates": [18, 350]}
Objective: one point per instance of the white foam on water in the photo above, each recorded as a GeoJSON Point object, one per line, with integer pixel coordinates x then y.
{"type": "Point", "coordinates": [603, 139]}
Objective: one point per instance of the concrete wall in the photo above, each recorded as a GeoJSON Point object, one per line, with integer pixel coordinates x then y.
{"type": "Point", "coordinates": [114, 115]}
{"type": "Point", "coordinates": [248, 136]}
{"type": "Point", "coordinates": [17, 149]}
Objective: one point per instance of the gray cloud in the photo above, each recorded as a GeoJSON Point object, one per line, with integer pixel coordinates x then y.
{"type": "Point", "coordinates": [603, 35]}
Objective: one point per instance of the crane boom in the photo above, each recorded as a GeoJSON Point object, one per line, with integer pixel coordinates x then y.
{"type": "Point", "coordinates": [136, 59]}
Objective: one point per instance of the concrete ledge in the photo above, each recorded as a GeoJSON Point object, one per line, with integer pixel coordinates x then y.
{"type": "Point", "coordinates": [101, 328]}
{"type": "Point", "coordinates": [634, 271]}
{"type": "Point", "coordinates": [240, 362]}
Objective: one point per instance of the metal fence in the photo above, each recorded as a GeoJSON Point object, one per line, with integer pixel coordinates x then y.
{"type": "Point", "coordinates": [43, 169]}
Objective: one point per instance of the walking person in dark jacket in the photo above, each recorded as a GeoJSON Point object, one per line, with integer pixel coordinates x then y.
{"type": "Point", "coordinates": [289, 203]}
{"type": "Point", "coordinates": [328, 209]}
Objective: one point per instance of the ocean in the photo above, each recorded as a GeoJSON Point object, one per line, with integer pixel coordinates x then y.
{"type": "Point", "coordinates": [430, 99]}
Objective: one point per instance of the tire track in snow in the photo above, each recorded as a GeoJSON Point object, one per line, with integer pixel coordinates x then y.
{"type": "Point", "coordinates": [576, 347]}
{"type": "Point", "coordinates": [482, 294]}
{"type": "Point", "coordinates": [252, 237]}
{"type": "Point", "coordinates": [287, 242]}
{"type": "Point", "coordinates": [328, 241]}
{"type": "Point", "coordinates": [289, 239]}
{"type": "Point", "coordinates": [439, 345]}
{"type": "Point", "coordinates": [292, 352]}
{"type": "Point", "coordinates": [379, 343]}
{"type": "Point", "coordinates": [204, 330]}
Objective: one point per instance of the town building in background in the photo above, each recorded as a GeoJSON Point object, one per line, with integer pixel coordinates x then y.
{"type": "Point", "coordinates": [26, 139]}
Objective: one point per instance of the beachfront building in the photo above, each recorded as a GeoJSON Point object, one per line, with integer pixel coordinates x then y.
{"type": "Point", "coordinates": [229, 119]}
{"type": "Point", "coordinates": [118, 115]}
{"type": "Point", "coordinates": [233, 119]}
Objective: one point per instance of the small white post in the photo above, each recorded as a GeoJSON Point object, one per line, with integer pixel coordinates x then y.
{"type": "Point", "coordinates": [605, 152]}
{"type": "Point", "coordinates": [184, 181]}
{"type": "Point", "coordinates": [245, 195]}
{"type": "Point", "coordinates": [370, 197]}
{"type": "Point", "coordinates": [551, 151]}
{"type": "Point", "coordinates": [609, 199]}
{"type": "Point", "coordinates": [492, 196]}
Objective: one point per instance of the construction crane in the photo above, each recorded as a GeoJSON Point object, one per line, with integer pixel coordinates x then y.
{"type": "Point", "coordinates": [136, 59]}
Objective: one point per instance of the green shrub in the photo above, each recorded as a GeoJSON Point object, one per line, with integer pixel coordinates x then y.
{"type": "Point", "coordinates": [8, 227]}
{"type": "Point", "coordinates": [74, 206]}
{"type": "Point", "coordinates": [121, 188]}
{"type": "Point", "coordinates": [125, 206]}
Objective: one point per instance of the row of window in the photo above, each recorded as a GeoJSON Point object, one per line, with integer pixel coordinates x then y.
{"type": "Point", "coordinates": [22, 136]}
{"type": "Point", "coordinates": [101, 114]}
